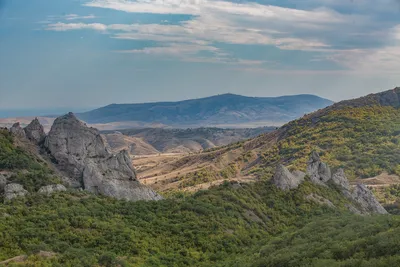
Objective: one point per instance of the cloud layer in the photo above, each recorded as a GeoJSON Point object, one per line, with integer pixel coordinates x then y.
{"type": "Point", "coordinates": [352, 40]}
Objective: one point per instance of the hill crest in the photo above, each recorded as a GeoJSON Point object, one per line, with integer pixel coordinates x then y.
{"type": "Point", "coordinates": [226, 109]}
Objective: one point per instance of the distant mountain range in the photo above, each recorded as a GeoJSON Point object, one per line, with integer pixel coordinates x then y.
{"type": "Point", "coordinates": [220, 110]}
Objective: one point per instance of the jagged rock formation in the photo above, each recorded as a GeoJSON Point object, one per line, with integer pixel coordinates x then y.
{"type": "Point", "coordinates": [285, 180]}
{"type": "Point", "coordinates": [299, 175]}
{"type": "Point", "coordinates": [320, 174]}
{"type": "Point", "coordinates": [13, 190]}
{"type": "Point", "coordinates": [318, 171]}
{"type": "Point", "coordinates": [35, 131]}
{"type": "Point", "coordinates": [366, 200]}
{"type": "Point", "coordinates": [339, 178]}
{"type": "Point", "coordinates": [50, 189]}
{"type": "Point", "coordinates": [81, 153]}
{"type": "Point", "coordinates": [17, 130]}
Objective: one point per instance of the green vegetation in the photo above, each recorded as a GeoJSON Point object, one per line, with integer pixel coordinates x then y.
{"type": "Point", "coordinates": [336, 241]}
{"type": "Point", "coordinates": [249, 225]}
{"type": "Point", "coordinates": [364, 140]}
{"type": "Point", "coordinates": [13, 158]}
{"type": "Point", "coordinates": [243, 225]}
{"type": "Point", "coordinates": [206, 175]}
{"type": "Point", "coordinates": [28, 170]}
{"type": "Point", "coordinates": [224, 226]}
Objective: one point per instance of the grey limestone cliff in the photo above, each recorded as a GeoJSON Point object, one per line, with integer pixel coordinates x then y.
{"type": "Point", "coordinates": [81, 154]}
{"type": "Point", "coordinates": [285, 180]}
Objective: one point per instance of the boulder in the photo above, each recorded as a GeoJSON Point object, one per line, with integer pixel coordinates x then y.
{"type": "Point", "coordinates": [81, 153]}
{"type": "Point", "coordinates": [4, 175]}
{"type": "Point", "coordinates": [12, 191]}
{"type": "Point", "coordinates": [16, 130]}
{"type": "Point", "coordinates": [319, 172]}
{"type": "Point", "coordinates": [339, 178]}
{"type": "Point", "coordinates": [366, 200]}
{"type": "Point", "coordinates": [35, 131]}
{"type": "Point", "coordinates": [285, 180]}
{"type": "Point", "coordinates": [299, 175]}
{"type": "Point", "coordinates": [50, 189]}
{"type": "Point", "coordinates": [3, 182]}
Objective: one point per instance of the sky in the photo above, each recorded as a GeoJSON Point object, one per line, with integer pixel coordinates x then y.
{"type": "Point", "coordinates": [90, 53]}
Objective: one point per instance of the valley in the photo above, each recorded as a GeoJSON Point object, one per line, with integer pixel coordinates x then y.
{"type": "Point", "coordinates": [147, 141]}
{"type": "Point", "coordinates": [146, 133]}
{"type": "Point", "coordinates": [76, 196]}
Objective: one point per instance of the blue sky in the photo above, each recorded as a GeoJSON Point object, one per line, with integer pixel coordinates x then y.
{"type": "Point", "coordinates": [88, 53]}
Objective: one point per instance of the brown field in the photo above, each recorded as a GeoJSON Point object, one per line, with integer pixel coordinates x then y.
{"type": "Point", "coordinates": [162, 171]}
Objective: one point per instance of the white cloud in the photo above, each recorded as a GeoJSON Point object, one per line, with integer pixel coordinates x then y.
{"type": "Point", "coordinates": [246, 24]}
{"type": "Point", "coordinates": [376, 60]}
{"type": "Point", "coordinates": [226, 22]}
{"type": "Point", "coordinates": [174, 49]}
{"type": "Point", "coordinates": [77, 17]}
{"type": "Point", "coordinates": [200, 7]}
{"type": "Point", "coordinates": [396, 32]}
{"type": "Point", "coordinates": [59, 26]}
{"type": "Point", "coordinates": [69, 17]}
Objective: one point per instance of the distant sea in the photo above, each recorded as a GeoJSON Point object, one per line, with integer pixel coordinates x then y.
{"type": "Point", "coordinates": [49, 112]}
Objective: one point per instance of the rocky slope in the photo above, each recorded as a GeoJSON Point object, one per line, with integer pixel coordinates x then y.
{"type": "Point", "coordinates": [319, 173]}
{"type": "Point", "coordinates": [80, 157]}
{"type": "Point", "coordinates": [225, 110]}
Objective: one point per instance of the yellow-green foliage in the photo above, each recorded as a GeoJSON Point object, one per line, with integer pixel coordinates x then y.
{"type": "Point", "coordinates": [365, 141]}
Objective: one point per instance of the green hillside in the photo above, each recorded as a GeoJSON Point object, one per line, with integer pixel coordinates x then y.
{"type": "Point", "coordinates": [27, 168]}
{"type": "Point", "coordinates": [230, 225]}
{"type": "Point", "coordinates": [225, 226]}
{"type": "Point", "coordinates": [363, 140]}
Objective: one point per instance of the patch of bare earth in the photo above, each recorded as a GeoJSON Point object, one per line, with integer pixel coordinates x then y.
{"type": "Point", "coordinates": [382, 180]}
{"type": "Point", "coordinates": [164, 172]}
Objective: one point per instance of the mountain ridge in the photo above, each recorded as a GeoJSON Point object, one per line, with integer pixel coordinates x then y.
{"type": "Point", "coordinates": [214, 110]}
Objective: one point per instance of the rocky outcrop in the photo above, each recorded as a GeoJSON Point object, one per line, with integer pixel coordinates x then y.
{"type": "Point", "coordinates": [318, 171]}
{"type": "Point", "coordinates": [35, 131]}
{"type": "Point", "coordinates": [362, 200]}
{"type": "Point", "coordinates": [285, 180]}
{"type": "Point", "coordinates": [339, 178]}
{"type": "Point", "coordinates": [4, 175]}
{"type": "Point", "coordinates": [366, 201]}
{"type": "Point", "coordinates": [299, 175]}
{"type": "Point", "coordinates": [12, 191]}
{"type": "Point", "coordinates": [50, 189]}
{"type": "Point", "coordinates": [81, 154]}
{"type": "Point", "coordinates": [16, 130]}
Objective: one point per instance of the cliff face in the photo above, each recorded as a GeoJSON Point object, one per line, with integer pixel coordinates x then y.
{"type": "Point", "coordinates": [81, 154]}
